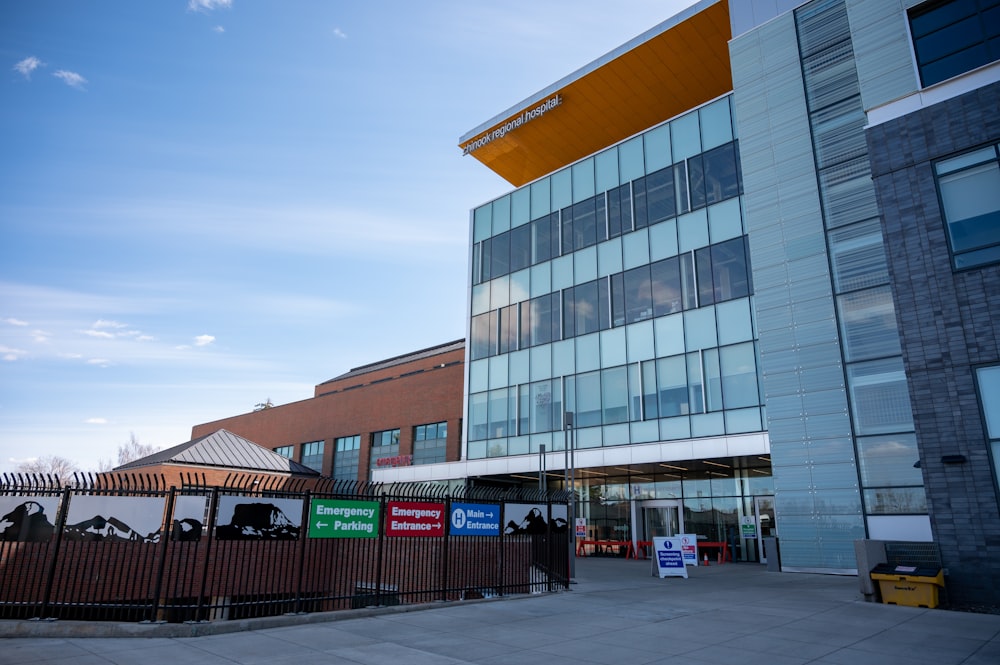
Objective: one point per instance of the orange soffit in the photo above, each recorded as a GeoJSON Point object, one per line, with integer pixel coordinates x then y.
{"type": "Point", "coordinates": [677, 66]}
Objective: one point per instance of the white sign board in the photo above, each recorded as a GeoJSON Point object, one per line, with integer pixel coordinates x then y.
{"type": "Point", "coordinates": [669, 557]}
{"type": "Point", "coordinates": [689, 547]}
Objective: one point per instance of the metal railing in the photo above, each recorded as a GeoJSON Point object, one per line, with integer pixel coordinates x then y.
{"type": "Point", "coordinates": [129, 548]}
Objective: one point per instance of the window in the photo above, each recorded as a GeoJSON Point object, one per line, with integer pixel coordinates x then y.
{"type": "Point", "coordinates": [892, 483]}
{"type": "Point", "coordinates": [429, 443]}
{"type": "Point", "coordinates": [970, 201]}
{"type": "Point", "coordinates": [312, 455]}
{"type": "Point", "coordinates": [988, 379]}
{"type": "Point", "coordinates": [954, 36]}
{"type": "Point", "coordinates": [347, 450]}
{"type": "Point", "coordinates": [286, 451]}
{"type": "Point", "coordinates": [389, 437]}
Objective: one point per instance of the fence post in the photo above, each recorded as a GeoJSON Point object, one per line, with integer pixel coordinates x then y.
{"type": "Point", "coordinates": [381, 544]}
{"type": "Point", "coordinates": [212, 509]}
{"type": "Point", "coordinates": [303, 538]}
{"type": "Point", "coordinates": [164, 544]}
{"type": "Point", "coordinates": [502, 587]}
{"type": "Point", "coordinates": [60, 527]}
{"type": "Point", "coordinates": [447, 543]}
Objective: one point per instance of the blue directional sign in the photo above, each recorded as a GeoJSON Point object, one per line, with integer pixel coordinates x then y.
{"type": "Point", "coordinates": [475, 519]}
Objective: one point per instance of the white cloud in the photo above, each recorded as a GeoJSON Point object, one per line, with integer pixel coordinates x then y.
{"type": "Point", "coordinates": [219, 29]}
{"type": "Point", "coordinates": [208, 5]}
{"type": "Point", "coordinates": [72, 79]}
{"type": "Point", "coordinates": [100, 334]}
{"type": "Point", "coordinates": [203, 340]}
{"type": "Point", "coordinates": [28, 65]}
{"type": "Point", "coordinates": [15, 322]}
{"type": "Point", "coordinates": [40, 336]}
{"type": "Point", "coordinates": [96, 421]}
{"type": "Point", "coordinates": [101, 323]}
{"type": "Point", "coordinates": [10, 354]}
{"type": "Point", "coordinates": [100, 362]}
{"type": "Point", "coordinates": [337, 32]}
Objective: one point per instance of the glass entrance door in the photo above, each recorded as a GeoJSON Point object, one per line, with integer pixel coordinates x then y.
{"type": "Point", "coordinates": [656, 519]}
{"type": "Point", "coordinates": [764, 512]}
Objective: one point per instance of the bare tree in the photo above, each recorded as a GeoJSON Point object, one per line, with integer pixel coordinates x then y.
{"type": "Point", "coordinates": [129, 451]}
{"type": "Point", "coordinates": [266, 404]}
{"type": "Point", "coordinates": [49, 465]}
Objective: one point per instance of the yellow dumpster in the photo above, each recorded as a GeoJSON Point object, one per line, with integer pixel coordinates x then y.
{"type": "Point", "coordinates": [908, 585]}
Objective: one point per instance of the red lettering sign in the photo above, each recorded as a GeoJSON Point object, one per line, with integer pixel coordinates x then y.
{"type": "Point", "coordinates": [414, 519]}
{"type": "Point", "coordinates": [398, 460]}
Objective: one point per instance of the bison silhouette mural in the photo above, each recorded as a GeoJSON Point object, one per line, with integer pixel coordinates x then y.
{"type": "Point", "coordinates": [242, 518]}
{"type": "Point", "coordinates": [189, 518]}
{"type": "Point", "coordinates": [530, 519]}
{"type": "Point", "coordinates": [26, 518]}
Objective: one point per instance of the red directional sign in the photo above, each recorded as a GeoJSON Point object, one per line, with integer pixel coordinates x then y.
{"type": "Point", "coordinates": [415, 519]}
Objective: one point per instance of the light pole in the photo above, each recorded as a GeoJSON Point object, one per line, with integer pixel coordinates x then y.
{"type": "Point", "coordinates": [542, 484]}
{"type": "Point", "coordinates": [570, 475]}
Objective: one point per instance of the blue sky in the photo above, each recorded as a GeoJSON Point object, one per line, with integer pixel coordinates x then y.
{"type": "Point", "coordinates": [208, 203]}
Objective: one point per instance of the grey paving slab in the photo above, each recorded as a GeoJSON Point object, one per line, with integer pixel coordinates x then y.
{"type": "Point", "coordinates": [615, 613]}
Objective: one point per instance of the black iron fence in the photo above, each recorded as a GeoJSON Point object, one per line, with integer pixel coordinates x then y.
{"type": "Point", "coordinates": [128, 548]}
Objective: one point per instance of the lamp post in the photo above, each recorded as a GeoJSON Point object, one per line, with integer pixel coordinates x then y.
{"type": "Point", "coordinates": [542, 484]}
{"type": "Point", "coordinates": [570, 475]}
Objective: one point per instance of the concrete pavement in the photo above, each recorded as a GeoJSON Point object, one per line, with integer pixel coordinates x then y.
{"type": "Point", "coordinates": [616, 613]}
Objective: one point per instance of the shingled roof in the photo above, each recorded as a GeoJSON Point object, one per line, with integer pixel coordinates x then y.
{"type": "Point", "coordinates": [223, 449]}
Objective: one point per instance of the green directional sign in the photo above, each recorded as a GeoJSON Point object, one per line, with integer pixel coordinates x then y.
{"type": "Point", "coordinates": [336, 518]}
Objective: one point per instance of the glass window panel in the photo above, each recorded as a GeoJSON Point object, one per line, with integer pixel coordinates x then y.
{"type": "Point", "coordinates": [688, 285]}
{"type": "Point", "coordinates": [896, 501]}
{"type": "Point", "coordinates": [482, 224]}
{"type": "Point", "coordinates": [520, 248]}
{"type": "Point", "coordinates": [713, 380]}
{"type": "Point", "coordinates": [716, 123]}
{"type": "Point", "coordinates": [584, 228]}
{"type": "Point", "coordinates": [671, 378]}
{"type": "Point", "coordinates": [989, 394]}
{"type": "Point", "coordinates": [541, 198]}
{"type": "Point", "coordinates": [562, 189]}
{"type": "Point", "coordinates": [650, 402]}
{"type": "Point", "coordinates": [606, 169]}
{"type": "Point", "coordinates": [520, 210]}
{"type": "Point", "coordinates": [721, 179]}
{"type": "Point", "coordinates": [889, 460]}
{"type": "Point", "coordinates": [634, 392]}
{"type": "Point", "coordinates": [588, 399]}
{"type": "Point", "coordinates": [703, 268]}
{"type": "Point", "coordinates": [725, 221]}
{"type": "Point", "coordinates": [639, 203]}
{"type": "Point", "coordinates": [657, 144]}
{"type": "Point", "coordinates": [614, 212]}
{"type": "Point", "coordinates": [696, 395]}
{"type": "Point", "coordinates": [604, 303]}
{"type": "Point", "coordinates": [617, 295]}
{"type": "Point", "coordinates": [500, 255]}
{"type": "Point", "coordinates": [858, 256]}
{"type": "Point", "coordinates": [498, 413]}
{"type": "Point", "coordinates": [638, 294]}
{"type": "Point", "coordinates": [739, 375]}
{"type": "Point", "coordinates": [614, 395]}
{"type": "Point", "coordinates": [663, 240]}
{"type": "Point", "coordinates": [665, 280]}
{"type": "Point", "coordinates": [660, 196]}
{"type": "Point", "coordinates": [692, 230]}
{"type": "Point", "coordinates": [730, 273]}
{"type": "Point", "coordinates": [483, 335]}
{"type": "Point", "coordinates": [971, 201]}
{"type": "Point", "coordinates": [880, 401]}
{"type": "Point", "coordinates": [868, 324]}
{"type": "Point", "coordinates": [696, 182]}
{"type": "Point", "coordinates": [508, 329]}
{"type": "Point", "coordinates": [685, 136]}
{"type": "Point", "coordinates": [682, 200]}
{"type": "Point", "coordinates": [583, 179]}
{"type": "Point", "coordinates": [542, 408]}
{"type": "Point", "coordinates": [630, 160]}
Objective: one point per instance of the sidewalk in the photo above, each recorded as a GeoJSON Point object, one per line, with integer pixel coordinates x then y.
{"type": "Point", "coordinates": [616, 612]}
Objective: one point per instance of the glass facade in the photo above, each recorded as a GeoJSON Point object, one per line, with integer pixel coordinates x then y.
{"type": "Point", "coordinates": [619, 289]}
{"type": "Point", "coordinates": [988, 380]}
{"type": "Point", "coordinates": [951, 37]}
{"type": "Point", "coordinates": [286, 451]}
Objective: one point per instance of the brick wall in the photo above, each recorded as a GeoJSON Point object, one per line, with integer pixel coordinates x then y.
{"type": "Point", "coordinates": [949, 323]}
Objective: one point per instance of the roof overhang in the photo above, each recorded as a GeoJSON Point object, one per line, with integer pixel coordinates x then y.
{"type": "Point", "coordinates": [676, 66]}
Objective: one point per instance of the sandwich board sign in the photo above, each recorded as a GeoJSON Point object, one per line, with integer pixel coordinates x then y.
{"type": "Point", "coordinates": [669, 557]}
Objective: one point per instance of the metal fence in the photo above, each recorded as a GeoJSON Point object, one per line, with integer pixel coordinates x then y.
{"type": "Point", "coordinates": [129, 548]}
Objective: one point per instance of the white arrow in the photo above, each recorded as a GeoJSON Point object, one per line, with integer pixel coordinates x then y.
{"type": "Point", "coordinates": [320, 525]}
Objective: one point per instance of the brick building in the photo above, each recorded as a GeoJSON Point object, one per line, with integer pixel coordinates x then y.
{"type": "Point", "coordinates": [402, 411]}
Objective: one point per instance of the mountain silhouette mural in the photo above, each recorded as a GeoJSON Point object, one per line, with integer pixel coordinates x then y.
{"type": "Point", "coordinates": [111, 529]}
{"type": "Point", "coordinates": [258, 521]}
